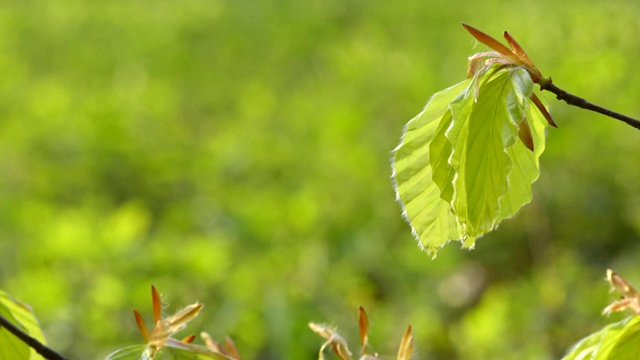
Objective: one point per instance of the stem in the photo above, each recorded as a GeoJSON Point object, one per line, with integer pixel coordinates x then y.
{"type": "Point", "coordinates": [40, 348]}
{"type": "Point", "coordinates": [582, 103]}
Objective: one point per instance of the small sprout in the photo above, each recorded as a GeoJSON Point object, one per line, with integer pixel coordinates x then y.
{"type": "Point", "coordinates": [161, 335]}
{"type": "Point", "coordinates": [630, 298]}
{"type": "Point", "coordinates": [335, 340]}
{"type": "Point", "coordinates": [228, 348]}
{"type": "Point", "coordinates": [340, 347]}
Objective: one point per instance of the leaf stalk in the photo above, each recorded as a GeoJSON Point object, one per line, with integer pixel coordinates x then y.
{"type": "Point", "coordinates": [584, 104]}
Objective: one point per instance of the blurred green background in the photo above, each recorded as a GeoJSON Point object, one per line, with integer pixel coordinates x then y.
{"type": "Point", "coordinates": [237, 153]}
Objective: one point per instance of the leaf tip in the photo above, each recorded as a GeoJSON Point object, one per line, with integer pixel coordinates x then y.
{"type": "Point", "coordinates": [157, 304]}
{"type": "Point", "coordinates": [144, 331]}
{"type": "Point", "coordinates": [363, 324]}
{"type": "Point", "coordinates": [406, 345]}
{"type": "Point", "coordinates": [543, 110]}
{"type": "Point", "coordinates": [524, 133]}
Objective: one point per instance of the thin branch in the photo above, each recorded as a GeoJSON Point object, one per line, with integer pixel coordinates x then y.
{"type": "Point", "coordinates": [40, 348]}
{"type": "Point", "coordinates": [582, 103]}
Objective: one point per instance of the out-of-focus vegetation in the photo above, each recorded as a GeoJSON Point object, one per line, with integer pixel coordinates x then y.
{"type": "Point", "coordinates": [237, 153]}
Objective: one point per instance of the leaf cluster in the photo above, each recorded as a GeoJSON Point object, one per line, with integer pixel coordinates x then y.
{"type": "Point", "coordinates": [462, 165]}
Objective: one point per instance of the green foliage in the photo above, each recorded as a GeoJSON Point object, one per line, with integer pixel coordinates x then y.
{"type": "Point", "coordinates": [236, 152]}
{"type": "Point", "coordinates": [20, 315]}
{"type": "Point", "coordinates": [461, 167]}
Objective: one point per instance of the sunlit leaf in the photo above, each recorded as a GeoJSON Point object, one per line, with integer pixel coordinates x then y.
{"type": "Point", "coordinates": [430, 217]}
{"type": "Point", "coordinates": [620, 340]}
{"type": "Point", "coordinates": [468, 160]}
{"type": "Point", "coordinates": [12, 348]}
{"type": "Point", "coordinates": [481, 132]}
{"type": "Point", "coordinates": [525, 166]}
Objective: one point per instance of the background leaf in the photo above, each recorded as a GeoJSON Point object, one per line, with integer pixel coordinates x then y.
{"type": "Point", "coordinates": [620, 340]}
{"type": "Point", "coordinates": [12, 348]}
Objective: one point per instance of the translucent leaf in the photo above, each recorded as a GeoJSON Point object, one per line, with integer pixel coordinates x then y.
{"type": "Point", "coordinates": [12, 348]}
{"type": "Point", "coordinates": [430, 217]}
{"type": "Point", "coordinates": [134, 352]}
{"type": "Point", "coordinates": [139, 352]}
{"type": "Point", "coordinates": [620, 340]}
{"type": "Point", "coordinates": [466, 147]}
{"type": "Point", "coordinates": [525, 166]}
{"type": "Point", "coordinates": [520, 87]}
{"type": "Point", "coordinates": [482, 131]}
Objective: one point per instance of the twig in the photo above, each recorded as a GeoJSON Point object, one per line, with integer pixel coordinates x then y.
{"type": "Point", "coordinates": [582, 103]}
{"type": "Point", "coordinates": [40, 348]}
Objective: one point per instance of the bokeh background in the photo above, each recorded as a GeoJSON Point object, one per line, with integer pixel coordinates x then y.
{"type": "Point", "coordinates": [237, 153]}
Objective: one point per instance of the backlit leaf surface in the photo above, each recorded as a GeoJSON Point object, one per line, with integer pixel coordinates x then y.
{"type": "Point", "coordinates": [461, 167]}
{"type": "Point", "coordinates": [620, 340]}
{"type": "Point", "coordinates": [430, 217]}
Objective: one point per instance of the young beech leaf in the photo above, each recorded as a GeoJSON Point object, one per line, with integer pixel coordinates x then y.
{"type": "Point", "coordinates": [526, 166]}
{"type": "Point", "coordinates": [481, 132]}
{"type": "Point", "coordinates": [467, 162]}
{"type": "Point", "coordinates": [431, 219]}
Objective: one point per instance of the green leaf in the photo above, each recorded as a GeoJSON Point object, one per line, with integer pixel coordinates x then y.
{"type": "Point", "coordinates": [464, 148]}
{"type": "Point", "coordinates": [19, 314]}
{"type": "Point", "coordinates": [622, 343]}
{"type": "Point", "coordinates": [481, 131]}
{"type": "Point", "coordinates": [429, 216]}
{"type": "Point", "coordinates": [134, 352]}
{"type": "Point", "coordinates": [526, 166]}
{"type": "Point", "coordinates": [170, 352]}
{"type": "Point", "coordinates": [620, 340]}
